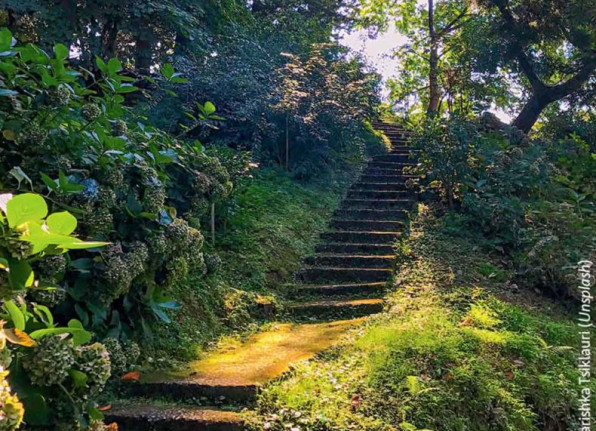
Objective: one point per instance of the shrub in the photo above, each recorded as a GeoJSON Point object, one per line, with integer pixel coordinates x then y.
{"type": "Point", "coordinates": [531, 199]}
{"type": "Point", "coordinates": [71, 135]}
{"type": "Point", "coordinates": [55, 372]}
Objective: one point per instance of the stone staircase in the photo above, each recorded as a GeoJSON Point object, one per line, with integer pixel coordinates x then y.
{"type": "Point", "coordinates": [354, 261]}
{"type": "Point", "coordinates": [343, 281]}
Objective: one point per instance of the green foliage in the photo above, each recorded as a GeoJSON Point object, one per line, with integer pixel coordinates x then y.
{"type": "Point", "coordinates": [54, 371]}
{"type": "Point", "coordinates": [457, 351]}
{"type": "Point", "coordinates": [126, 182]}
{"type": "Point", "coordinates": [530, 199]}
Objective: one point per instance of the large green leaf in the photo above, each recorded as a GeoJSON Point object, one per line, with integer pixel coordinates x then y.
{"type": "Point", "coordinates": [16, 315]}
{"type": "Point", "coordinates": [24, 208]}
{"type": "Point", "coordinates": [20, 274]}
{"type": "Point", "coordinates": [63, 223]}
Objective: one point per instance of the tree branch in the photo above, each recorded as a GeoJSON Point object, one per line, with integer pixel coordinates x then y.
{"type": "Point", "coordinates": [452, 25]}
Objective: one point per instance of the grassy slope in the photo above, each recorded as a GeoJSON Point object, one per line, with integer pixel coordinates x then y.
{"type": "Point", "coordinates": [458, 349]}
{"type": "Point", "coordinates": [274, 222]}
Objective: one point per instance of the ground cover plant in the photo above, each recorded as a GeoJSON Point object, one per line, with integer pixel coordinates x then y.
{"type": "Point", "coordinates": [458, 348]}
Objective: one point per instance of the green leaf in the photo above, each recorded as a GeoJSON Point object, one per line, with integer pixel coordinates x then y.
{"type": "Point", "coordinates": [79, 378]}
{"type": "Point", "coordinates": [79, 336]}
{"type": "Point", "coordinates": [16, 315]}
{"type": "Point", "coordinates": [20, 274]}
{"type": "Point", "coordinates": [62, 223]}
{"type": "Point", "coordinates": [50, 183]}
{"type": "Point", "coordinates": [5, 39]}
{"type": "Point", "coordinates": [209, 108]}
{"type": "Point", "coordinates": [60, 51]}
{"type": "Point", "coordinates": [114, 66]}
{"type": "Point", "coordinates": [167, 70]}
{"type": "Point", "coordinates": [24, 208]}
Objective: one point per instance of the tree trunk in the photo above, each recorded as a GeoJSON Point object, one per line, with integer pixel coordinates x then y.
{"type": "Point", "coordinates": [433, 62]}
{"type": "Point", "coordinates": [530, 113]}
{"type": "Point", "coordinates": [143, 52]}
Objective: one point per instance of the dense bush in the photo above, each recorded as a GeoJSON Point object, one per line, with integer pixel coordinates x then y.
{"type": "Point", "coordinates": [69, 134]}
{"type": "Point", "coordinates": [56, 373]}
{"type": "Point", "coordinates": [532, 199]}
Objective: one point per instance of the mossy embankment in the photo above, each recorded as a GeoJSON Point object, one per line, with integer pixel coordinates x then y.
{"type": "Point", "coordinates": [460, 347]}
{"type": "Point", "coordinates": [272, 222]}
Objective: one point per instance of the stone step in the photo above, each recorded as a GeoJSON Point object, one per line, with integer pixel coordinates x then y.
{"type": "Point", "coordinates": [333, 309]}
{"type": "Point", "coordinates": [361, 237]}
{"type": "Point", "coordinates": [188, 389]}
{"type": "Point", "coordinates": [388, 179]}
{"type": "Point", "coordinates": [377, 203]}
{"type": "Point", "coordinates": [396, 166]}
{"type": "Point", "coordinates": [367, 225]}
{"type": "Point", "coordinates": [355, 248]}
{"type": "Point", "coordinates": [311, 275]}
{"type": "Point", "coordinates": [382, 171]}
{"type": "Point", "coordinates": [368, 214]}
{"type": "Point", "coordinates": [144, 417]}
{"type": "Point", "coordinates": [398, 157]}
{"type": "Point", "coordinates": [378, 186]}
{"type": "Point", "coordinates": [339, 289]}
{"type": "Point", "coordinates": [378, 194]}
{"type": "Point", "coordinates": [351, 261]}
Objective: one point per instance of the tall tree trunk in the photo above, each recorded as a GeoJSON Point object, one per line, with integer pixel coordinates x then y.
{"type": "Point", "coordinates": [287, 142]}
{"type": "Point", "coordinates": [530, 112]}
{"type": "Point", "coordinates": [144, 51]}
{"type": "Point", "coordinates": [433, 75]}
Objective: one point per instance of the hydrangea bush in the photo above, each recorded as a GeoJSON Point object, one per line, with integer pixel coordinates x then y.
{"type": "Point", "coordinates": [70, 134]}
{"type": "Point", "coordinates": [54, 370]}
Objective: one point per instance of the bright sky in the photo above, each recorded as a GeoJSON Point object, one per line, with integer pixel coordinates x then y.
{"type": "Point", "coordinates": [377, 52]}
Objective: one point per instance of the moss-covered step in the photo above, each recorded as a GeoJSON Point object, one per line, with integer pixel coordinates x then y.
{"type": "Point", "coordinates": [326, 290]}
{"type": "Point", "coordinates": [156, 417]}
{"type": "Point", "coordinates": [361, 237]}
{"type": "Point", "coordinates": [343, 275]}
{"type": "Point", "coordinates": [234, 374]}
{"type": "Point", "coordinates": [367, 225]}
{"type": "Point", "coordinates": [402, 203]}
{"type": "Point", "coordinates": [377, 194]}
{"type": "Point", "coordinates": [360, 185]}
{"type": "Point", "coordinates": [362, 249]}
{"type": "Point", "coordinates": [330, 309]}
{"type": "Point", "coordinates": [351, 261]}
{"type": "Point", "coordinates": [396, 157]}
{"type": "Point", "coordinates": [371, 214]}
{"type": "Point", "coordinates": [387, 179]}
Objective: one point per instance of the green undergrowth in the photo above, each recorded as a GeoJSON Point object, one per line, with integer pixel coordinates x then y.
{"type": "Point", "coordinates": [272, 222]}
{"type": "Point", "coordinates": [459, 348]}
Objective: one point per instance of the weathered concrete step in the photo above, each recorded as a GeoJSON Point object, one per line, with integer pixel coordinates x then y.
{"type": "Point", "coordinates": [379, 186]}
{"type": "Point", "coordinates": [377, 203]}
{"type": "Point", "coordinates": [377, 194]}
{"type": "Point", "coordinates": [144, 417]}
{"type": "Point", "coordinates": [355, 248]}
{"type": "Point", "coordinates": [351, 261]}
{"type": "Point", "coordinates": [332, 309]}
{"type": "Point", "coordinates": [339, 289]}
{"type": "Point", "coordinates": [396, 166]}
{"type": "Point", "coordinates": [368, 214]}
{"type": "Point", "coordinates": [382, 171]}
{"type": "Point", "coordinates": [360, 237]}
{"type": "Point", "coordinates": [367, 225]}
{"type": "Point", "coordinates": [343, 275]}
{"type": "Point", "coordinates": [187, 389]}
{"type": "Point", "coordinates": [401, 157]}
{"type": "Point", "coordinates": [388, 179]}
